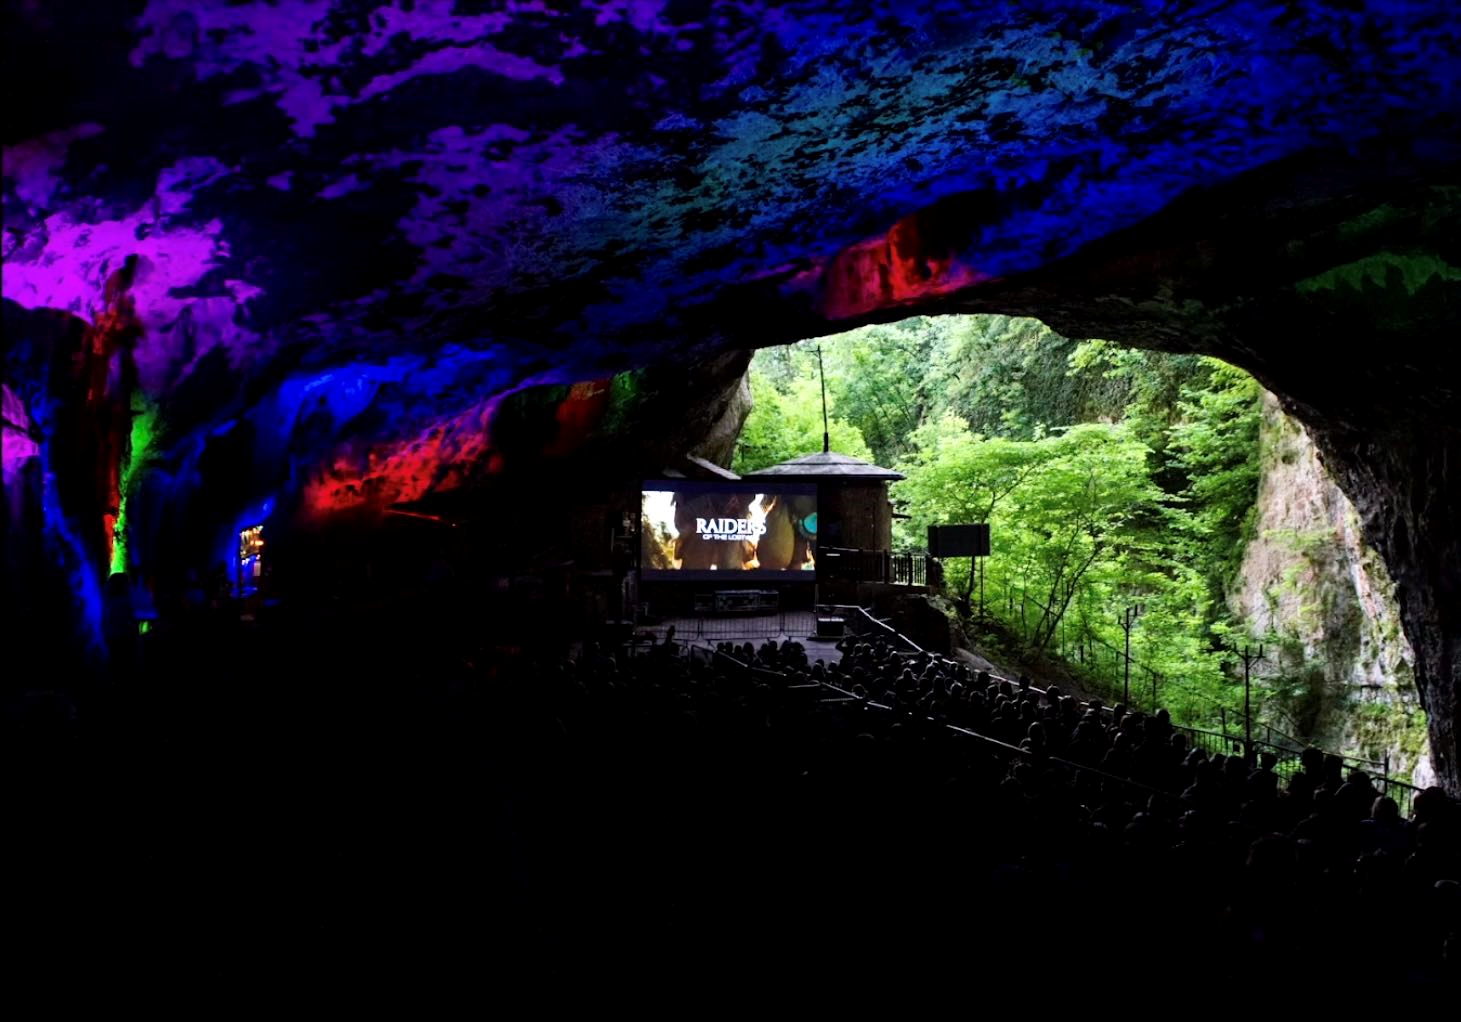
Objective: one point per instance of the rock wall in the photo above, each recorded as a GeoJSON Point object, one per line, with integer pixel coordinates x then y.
{"type": "Point", "coordinates": [1342, 672]}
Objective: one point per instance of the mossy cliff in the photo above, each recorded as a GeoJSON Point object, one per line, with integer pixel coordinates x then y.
{"type": "Point", "coordinates": [1341, 671]}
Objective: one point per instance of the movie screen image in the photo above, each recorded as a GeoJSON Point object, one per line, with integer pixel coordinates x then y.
{"type": "Point", "coordinates": [754, 530]}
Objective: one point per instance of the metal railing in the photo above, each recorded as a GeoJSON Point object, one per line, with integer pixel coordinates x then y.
{"type": "Point", "coordinates": [893, 567]}
{"type": "Point", "coordinates": [1084, 775]}
{"type": "Point", "coordinates": [860, 622]}
{"type": "Point", "coordinates": [1287, 750]}
{"type": "Point", "coordinates": [793, 624]}
{"type": "Point", "coordinates": [1288, 753]}
{"type": "Point", "coordinates": [1209, 741]}
{"type": "Point", "coordinates": [908, 568]}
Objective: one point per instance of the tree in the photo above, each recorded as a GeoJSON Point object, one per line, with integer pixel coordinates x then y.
{"type": "Point", "coordinates": [1216, 447]}
{"type": "Point", "coordinates": [1108, 476]}
{"type": "Point", "coordinates": [1087, 502]}
{"type": "Point", "coordinates": [786, 424]}
{"type": "Point", "coordinates": [955, 476]}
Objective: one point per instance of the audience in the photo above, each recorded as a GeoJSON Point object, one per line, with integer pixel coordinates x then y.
{"type": "Point", "coordinates": [1063, 809]}
{"type": "Point", "coordinates": [671, 808]}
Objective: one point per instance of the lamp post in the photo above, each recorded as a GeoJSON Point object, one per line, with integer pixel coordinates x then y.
{"type": "Point", "coordinates": [1127, 619]}
{"type": "Point", "coordinates": [1249, 659]}
{"type": "Point", "coordinates": [826, 430]}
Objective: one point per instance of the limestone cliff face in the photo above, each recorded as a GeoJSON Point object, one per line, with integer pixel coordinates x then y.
{"type": "Point", "coordinates": [726, 415]}
{"type": "Point", "coordinates": [1343, 672]}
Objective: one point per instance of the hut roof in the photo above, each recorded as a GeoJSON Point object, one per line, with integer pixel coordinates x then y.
{"type": "Point", "coordinates": [826, 465]}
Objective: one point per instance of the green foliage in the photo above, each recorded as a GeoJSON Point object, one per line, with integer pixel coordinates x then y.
{"type": "Point", "coordinates": [1080, 529]}
{"type": "Point", "coordinates": [1155, 384]}
{"type": "Point", "coordinates": [1215, 444]}
{"type": "Point", "coordinates": [1006, 376]}
{"type": "Point", "coordinates": [880, 379]}
{"type": "Point", "coordinates": [1110, 477]}
{"type": "Point", "coordinates": [787, 423]}
{"type": "Point", "coordinates": [1010, 376]}
{"type": "Point", "coordinates": [1410, 270]}
{"type": "Point", "coordinates": [1393, 725]}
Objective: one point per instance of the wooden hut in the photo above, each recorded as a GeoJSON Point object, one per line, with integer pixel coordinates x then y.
{"type": "Point", "coordinates": [853, 510]}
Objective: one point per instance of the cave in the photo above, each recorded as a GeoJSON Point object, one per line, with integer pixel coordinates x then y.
{"type": "Point", "coordinates": [307, 263]}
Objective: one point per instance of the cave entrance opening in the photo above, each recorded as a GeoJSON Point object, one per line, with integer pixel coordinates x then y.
{"type": "Point", "coordinates": [1115, 477]}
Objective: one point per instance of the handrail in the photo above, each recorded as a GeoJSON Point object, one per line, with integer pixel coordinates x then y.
{"type": "Point", "coordinates": [908, 567]}
{"type": "Point", "coordinates": [1020, 751]}
{"type": "Point", "coordinates": [897, 636]}
{"type": "Point", "coordinates": [892, 632]}
{"type": "Point", "coordinates": [846, 696]}
{"type": "Point", "coordinates": [1154, 673]}
{"type": "Point", "coordinates": [1108, 708]}
{"type": "Point", "coordinates": [1151, 672]}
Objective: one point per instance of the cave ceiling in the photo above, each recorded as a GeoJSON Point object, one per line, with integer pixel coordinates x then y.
{"type": "Point", "coordinates": [352, 227]}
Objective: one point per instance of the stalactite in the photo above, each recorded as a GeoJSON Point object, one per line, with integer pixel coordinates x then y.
{"type": "Point", "coordinates": [108, 373]}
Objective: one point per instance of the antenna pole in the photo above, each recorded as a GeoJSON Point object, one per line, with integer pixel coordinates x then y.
{"type": "Point", "coordinates": [1249, 659]}
{"type": "Point", "coordinates": [826, 432]}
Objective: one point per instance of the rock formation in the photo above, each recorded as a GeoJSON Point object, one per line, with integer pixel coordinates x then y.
{"type": "Point", "coordinates": [1342, 659]}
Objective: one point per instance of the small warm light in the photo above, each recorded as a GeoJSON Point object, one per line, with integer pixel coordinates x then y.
{"type": "Point", "coordinates": [250, 557]}
{"type": "Point", "coordinates": [250, 541]}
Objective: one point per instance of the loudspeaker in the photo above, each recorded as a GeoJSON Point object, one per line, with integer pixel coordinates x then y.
{"type": "Point", "coordinates": [959, 540]}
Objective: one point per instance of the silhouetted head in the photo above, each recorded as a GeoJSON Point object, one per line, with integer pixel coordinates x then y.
{"type": "Point", "coordinates": [1428, 803]}
{"type": "Point", "coordinates": [1425, 835]}
{"type": "Point", "coordinates": [1270, 856]}
{"type": "Point", "coordinates": [1384, 810]}
{"type": "Point", "coordinates": [1262, 784]}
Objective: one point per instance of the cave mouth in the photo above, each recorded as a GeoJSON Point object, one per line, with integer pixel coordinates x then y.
{"type": "Point", "coordinates": [384, 767]}
{"type": "Point", "coordinates": [1354, 352]}
{"type": "Point", "coordinates": [1279, 560]}
{"type": "Point", "coordinates": [343, 273]}
{"type": "Point", "coordinates": [987, 416]}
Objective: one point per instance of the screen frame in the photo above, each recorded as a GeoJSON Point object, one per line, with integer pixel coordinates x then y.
{"type": "Point", "coordinates": [731, 579]}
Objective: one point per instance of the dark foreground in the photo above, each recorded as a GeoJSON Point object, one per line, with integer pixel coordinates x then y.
{"type": "Point", "coordinates": [349, 813]}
